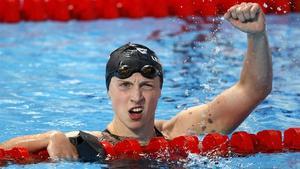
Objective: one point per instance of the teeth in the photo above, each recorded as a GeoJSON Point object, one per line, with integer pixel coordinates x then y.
{"type": "Point", "coordinates": [137, 109]}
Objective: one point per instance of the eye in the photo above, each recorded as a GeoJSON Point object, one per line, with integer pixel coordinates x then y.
{"type": "Point", "coordinates": [148, 86]}
{"type": "Point", "coordinates": [125, 85]}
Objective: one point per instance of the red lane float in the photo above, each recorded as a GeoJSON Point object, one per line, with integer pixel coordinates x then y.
{"type": "Point", "coordinates": [292, 139]}
{"type": "Point", "coordinates": [158, 147]}
{"type": "Point", "coordinates": [270, 141]}
{"type": "Point", "coordinates": [83, 9]}
{"type": "Point", "coordinates": [223, 7]}
{"type": "Point", "coordinates": [20, 155]}
{"type": "Point", "coordinates": [243, 143]}
{"type": "Point", "coordinates": [2, 7]}
{"type": "Point", "coordinates": [13, 11]}
{"type": "Point", "coordinates": [34, 10]}
{"type": "Point", "coordinates": [2, 156]}
{"type": "Point", "coordinates": [181, 146]}
{"type": "Point", "coordinates": [128, 148]}
{"type": "Point", "coordinates": [295, 5]}
{"type": "Point", "coordinates": [110, 9]}
{"type": "Point", "coordinates": [158, 9]}
{"type": "Point", "coordinates": [10, 11]}
{"type": "Point", "coordinates": [126, 9]}
{"type": "Point", "coordinates": [279, 7]}
{"type": "Point", "coordinates": [213, 144]}
{"type": "Point", "coordinates": [58, 10]}
{"type": "Point", "coordinates": [207, 8]}
{"type": "Point", "coordinates": [109, 150]}
{"type": "Point", "coordinates": [181, 8]}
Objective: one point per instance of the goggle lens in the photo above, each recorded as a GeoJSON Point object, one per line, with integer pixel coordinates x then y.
{"type": "Point", "coordinates": [147, 71]}
{"type": "Point", "coordinates": [123, 72]}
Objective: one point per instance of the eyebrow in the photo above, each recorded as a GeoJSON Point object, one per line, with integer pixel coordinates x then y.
{"type": "Point", "coordinates": [142, 82]}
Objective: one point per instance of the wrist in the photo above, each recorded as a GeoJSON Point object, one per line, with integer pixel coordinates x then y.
{"type": "Point", "coordinates": [257, 35]}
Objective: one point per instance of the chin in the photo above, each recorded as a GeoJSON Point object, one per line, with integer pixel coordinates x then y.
{"type": "Point", "coordinates": [136, 125]}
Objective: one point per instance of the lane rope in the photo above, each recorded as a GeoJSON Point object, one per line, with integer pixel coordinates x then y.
{"type": "Point", "coordinates": [14, 11]}
{"type": "Point", "coordinates": [241, 143]}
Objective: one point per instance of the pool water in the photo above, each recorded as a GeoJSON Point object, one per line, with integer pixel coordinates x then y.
{"type": "Point", "coordinates": [52, 78]}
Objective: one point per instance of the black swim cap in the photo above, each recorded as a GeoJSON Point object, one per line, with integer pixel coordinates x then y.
{"type": "Point", "coordinates": [132, 58]}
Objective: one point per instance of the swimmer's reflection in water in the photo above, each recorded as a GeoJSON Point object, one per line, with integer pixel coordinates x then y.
{"type": "Point", "coordinates": [134, 80]}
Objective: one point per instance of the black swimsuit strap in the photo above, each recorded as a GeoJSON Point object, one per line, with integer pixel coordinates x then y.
{"type": "Point", "coordinates": [113, 135]}
{"type": "Point", "coordinates": [157, 133]}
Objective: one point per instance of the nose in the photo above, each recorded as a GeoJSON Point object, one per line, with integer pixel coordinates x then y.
{"type": "Point", "coordinates": [137, 96]}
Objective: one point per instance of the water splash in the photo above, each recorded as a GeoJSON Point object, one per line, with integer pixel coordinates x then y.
{"type": "Point", "coordinates": [279, 8]}
{"type": "Point", "coordinates": [265, 5]}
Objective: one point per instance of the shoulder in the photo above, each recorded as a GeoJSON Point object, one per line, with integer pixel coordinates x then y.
{"type": "Point", "coordinates": [183, 122]}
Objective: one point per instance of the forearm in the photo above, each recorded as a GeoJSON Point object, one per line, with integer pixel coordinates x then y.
{"type": "Point", "coordinates": [31, 142]}
{"type": "Point", "coordinates": [257, 70]}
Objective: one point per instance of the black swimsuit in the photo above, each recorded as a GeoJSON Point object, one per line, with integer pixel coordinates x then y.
{"type": "Point", "coordinates": [88, 146]}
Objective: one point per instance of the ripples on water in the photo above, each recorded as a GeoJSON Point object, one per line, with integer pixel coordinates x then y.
{"type": "Point", "coordinates": [52, 77]}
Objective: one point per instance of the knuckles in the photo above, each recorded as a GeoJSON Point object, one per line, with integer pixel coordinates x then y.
{"type": "Point", "coordinates": [244, 11]}
{"type": "Point", "coordinates": [57, 152]}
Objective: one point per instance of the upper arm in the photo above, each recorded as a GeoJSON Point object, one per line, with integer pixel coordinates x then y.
{"type": "Point", "coordinates": [230, 108]}
{"type": "Point", "coordinates": [223, 114]}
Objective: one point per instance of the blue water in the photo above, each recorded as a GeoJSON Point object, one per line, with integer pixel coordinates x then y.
{"type": "Point", "coordinates": [52, 78]}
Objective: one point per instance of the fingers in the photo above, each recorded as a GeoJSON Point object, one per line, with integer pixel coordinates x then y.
{"type": "Point", "coordinates": [243, 12]}
{"type": "Point", "coordinates": [246, 12]}
{"type": "Point", "coordinates": [71, 157]}
{"type": "Point", "coordinates": [231, 13]}
{"type": "Point", "coordinates": [240, 12]}
{"type": "Point", "coordinates": [63, 157]}
{"type": "Point", "coordinates": [60, 148]}
{"type": "Point", "coordinates": [254, 10]}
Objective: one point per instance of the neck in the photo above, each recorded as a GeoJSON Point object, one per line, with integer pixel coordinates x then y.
{"type": "Point", "coordinates": [143, 133]}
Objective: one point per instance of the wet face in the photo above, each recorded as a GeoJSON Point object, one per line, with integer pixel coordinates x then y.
{"type": "Point", "coordinates": [134, 100]}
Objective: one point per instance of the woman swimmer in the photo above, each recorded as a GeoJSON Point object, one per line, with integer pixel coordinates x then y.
{"type": "Point", "coordinates": [134, 79]}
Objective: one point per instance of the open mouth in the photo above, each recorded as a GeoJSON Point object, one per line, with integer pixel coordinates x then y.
{"type": "Point", "coordinates": [137, 110]}
{"type": "Point", "coordinates": [136, 113]}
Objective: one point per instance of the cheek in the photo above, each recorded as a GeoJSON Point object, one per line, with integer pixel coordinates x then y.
{"type": "Point", "coordinates": [152, 100]}
{"type": "Point", "coordinates": [119, 100]}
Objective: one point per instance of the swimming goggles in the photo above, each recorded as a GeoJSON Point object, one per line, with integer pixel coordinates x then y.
{"type": "Point", "coordinates": [148, 71]}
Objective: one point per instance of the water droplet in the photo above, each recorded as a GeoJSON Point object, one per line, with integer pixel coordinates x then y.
{"type": "Point", "coordinates": [279, 8]}
{"type": "Point", "coordinates": [265, 5]}
{"type": "Point", "coordinates": [186, 93]}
